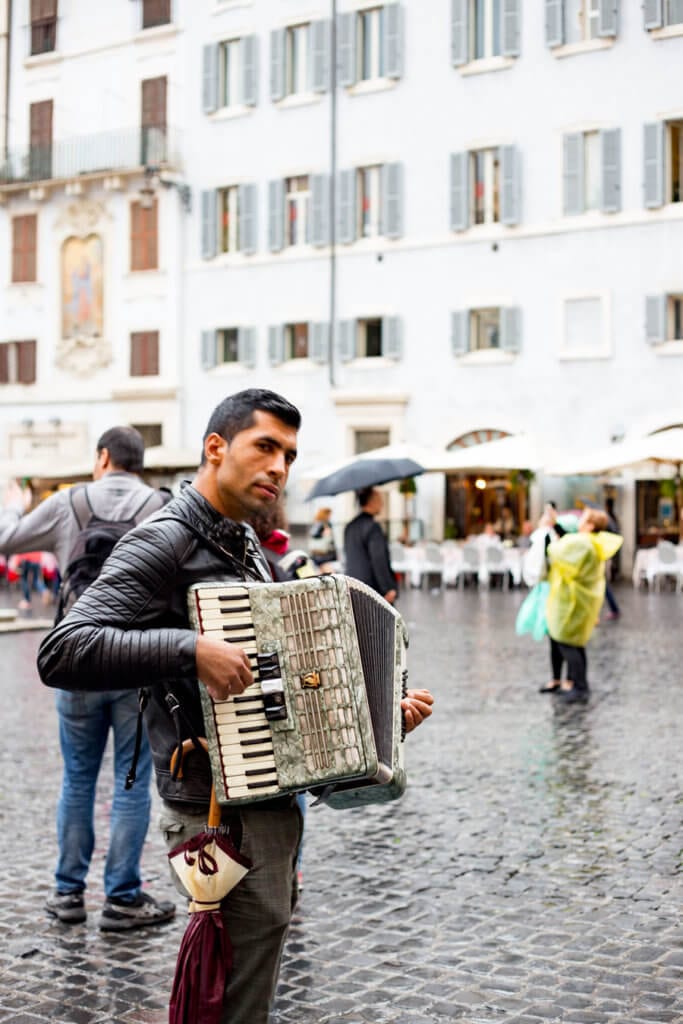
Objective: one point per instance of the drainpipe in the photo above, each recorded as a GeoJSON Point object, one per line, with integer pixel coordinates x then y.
{"type": "Point", "coordinates": [5, 35]}
{"type": "Point", "coordinates": [333, 194]}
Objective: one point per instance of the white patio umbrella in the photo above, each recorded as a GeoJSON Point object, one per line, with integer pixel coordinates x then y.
{"type": "Point", "coordinates": [665, 447]}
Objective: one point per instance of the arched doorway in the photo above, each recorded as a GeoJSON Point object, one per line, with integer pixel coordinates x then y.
{"type": "Point", "coordinates": [474, 500]}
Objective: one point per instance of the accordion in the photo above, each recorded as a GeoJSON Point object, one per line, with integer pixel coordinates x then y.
{"type": "Point", "coordinates": [328, 657]}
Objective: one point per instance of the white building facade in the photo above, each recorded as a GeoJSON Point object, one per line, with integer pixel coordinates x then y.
{"type": "Point", "coordinates": [471, 224]}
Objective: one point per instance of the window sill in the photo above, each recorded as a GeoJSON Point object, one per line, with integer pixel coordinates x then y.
{"type": "Point", "coordinates": [296, 365]}
{"type": "Point", "coordinates": [228, 5]}
{"type": "Point", "coordinates": [583, 355]}
{"type": "Point", "coordinates": [227, 369]}
{"type": "Point", "coordinates": [39, 60]}
{"type": "Point", "coordinates": [133, 274]}
{"type": "Point", "coordinates": [372, 85]}
{"type": "Point", "coordinates": [298, 99]}
{"type": "Point", "coordinates": [230, 259]}
{"type": "Point", "coordinates": [486, 64]}
{"type": "Point", "coordinates": [25, 284]}
{"type": "Point", "coordinates": [487, 357]}
{"type": "Point", "coordinates": [231, 113]}
{"type": "Point", "coordinates": [667, 32]}
{"type": "Point", "coordinates": [669, 348]}
{"type": "Point", "coordinates": [147, 388]}
{"type": "Point", "coordinates": [371, 362]}
{"type": "Point", "coordinates": [587, 46]}
{"type": "Point", "coordinates": [145, 35]}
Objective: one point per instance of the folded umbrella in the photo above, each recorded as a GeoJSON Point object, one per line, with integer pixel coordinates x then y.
{"type": "Point", "coordinates": [209, 866]}
{"type": "Point", "coordinates": [365, 473]}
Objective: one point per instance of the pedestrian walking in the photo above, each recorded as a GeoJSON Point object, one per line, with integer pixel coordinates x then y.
{"type": "Point", "coordinates": [321, 544]}
{"type": "Point", "coordinates": [133, 624]}
{"type": "Point", "coordinates": [85, 718]}
{"type": "Point", "coordinates": [366, 551]}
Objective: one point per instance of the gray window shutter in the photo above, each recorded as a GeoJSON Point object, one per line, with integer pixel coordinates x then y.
{"type": "Point", "coordinates": [511, 329]}
{"type": "Point", "coordinates": [347, 227]}
{"type": "Point", "coordinates": [276, 345]}
{"type": "Point", "coordinates": [510, 166]}
{"type": "Point", "coordinates": [654, 13]}
{"type": "Point", "coordinates": [210, 78]}
{"type": "Point", "coordinates": [319, 335]}
{"type": "Point", "coordinates": [393, 40]}
{"type": "Point", "coordinates": [346, 45]}
{"type": "Point", "coordinates": [320, 209]}
{"type": "Point", "coordinates": [656, 326]}
{"type": "Point", "coordinates": [511, 28]}
{"type": "Point", "coordinates": [392, 200]}
{"type": "Point", "coordinates": [209, 224]}
{"type": "Point", "coordinates": [654, 145]}
{"type": "Point", "coordinates": [277, 64]}
{"type": "Point", "coordinates": [392, 337]}
{"type": "Point", "coordinates": [460, 191]}
{"type": "Point", "coordinates": [610, 145]}
{"type": "Point", "coordinates": [246, 346]}
{"type": "Point", "coordinates": [347, 340]}
{"type": "Point", "coordinates": [554, 22]}
{"type": "Point", "coordinates": [276, 215]}
{"type": "Point", "coordinates": [573, 174]}
{"type": "Point", "coordinates": [209, 355]}
{"type": "Point", "coordinates": [249, 55]}
{"type": "Point", "coordinates": [460, 332]}
{"type": "Point", "coordinates": [608, 18]}
{"type": "Point", "coordinates": [460, 37]}
{"type": "Point", "coordinates": [319, 55]}
{"type": "Point", "coordinates": [248, 224]}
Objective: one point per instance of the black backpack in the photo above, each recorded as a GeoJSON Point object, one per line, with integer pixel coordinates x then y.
{"type": "Point", "coordinates": [94, 543]}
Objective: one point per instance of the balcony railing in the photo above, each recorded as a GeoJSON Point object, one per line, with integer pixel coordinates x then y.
{"type": "Point", "coordinates": [101, 153]}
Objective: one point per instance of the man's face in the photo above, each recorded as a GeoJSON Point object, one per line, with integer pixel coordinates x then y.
{"type": "Point", "coordinates": [252, 470]}
{"type": "Point", "coordinates": [376, 503]}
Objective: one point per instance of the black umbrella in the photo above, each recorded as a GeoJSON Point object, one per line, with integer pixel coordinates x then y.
{"type": "Point", "coordinates": [365, 473]}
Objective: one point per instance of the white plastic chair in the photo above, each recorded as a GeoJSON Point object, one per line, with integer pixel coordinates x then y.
{"type": "Point", "coordinates": [471, 560]}
{"type": "Point", "coordinates": [494, 561]}
{"type": "Point", "coordinates": [433, 562]}
{"type": "Point", "coordinates": [665, 563]}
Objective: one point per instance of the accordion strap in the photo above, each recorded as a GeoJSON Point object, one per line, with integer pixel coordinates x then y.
{"type": "Point", "coordinates": [246, 571]}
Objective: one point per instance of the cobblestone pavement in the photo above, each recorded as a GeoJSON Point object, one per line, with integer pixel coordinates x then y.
{"type": "Point", "coordinates": [532, 872]}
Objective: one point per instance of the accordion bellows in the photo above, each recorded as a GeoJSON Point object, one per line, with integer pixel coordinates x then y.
{"type": "Point", "coordinates": [329, 661]}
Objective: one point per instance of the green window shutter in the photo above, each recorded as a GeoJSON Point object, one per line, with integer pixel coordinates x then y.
{"type": "Point", "coordinates": [319, 55]}
{"type": "Point", "coordinates": [249, 56]}
{"type": "Point", "coordinates": [511, 329]}
{"type": "Point", "coordinates": [347, 226]}
{"type": "Point", "coordinates": [210, 78]}
{"type": "Point", "coordinates": [608, 18]}
{"type": "Point", "coordinates": [320, 208]}
{"type": "Point", "coordinates": [248, 222]}
{"type": "Point", "coordinates": [510, 168]}
{"type": "Point", "coordinates": [392, 337]}
{"type": "Point", "coordinates": [347, 340]}
{"type": "Point", "coordinates": [460, 191]}
{"type": "Point", "coordinates": [276, 344]}
{"type": "Point", "coordinates": [653, 12]}
{"type": "Point", "coordinates": [573, 160]}
{"type": "Point", "coordinates": [460, 333]}
{"type": "Point", "coordinates": [392, 200]}
{"type": "Point", "coordinates": [656, 325]}
{"type": "Point", "coordinates": [511, 28]}
{"type": "Point", "coordinates": [209, 224]}
{"type": "Point", "coordinates": [319, 333]}
{"type": "Point", "coordinates": [610, 146]}
{"type": "Point", "coordinates": [277, 64]}
{"type": "Point", "coordinates": [554, 22]}
{"type": "Point", "coordinates": [460, 49]}
{"type": "Point", "coordinates": [654, 140]}
{"type": "Point", "coordinates": [346, 48]}
{"type": "Point", "coordinates": [276, 215]}
{"type": "Point", "coordinates": [208, 352]}
{"type": "Point", "coordinates": [246, 346]}
{"type": "Point", "coordinates": [393, 40]}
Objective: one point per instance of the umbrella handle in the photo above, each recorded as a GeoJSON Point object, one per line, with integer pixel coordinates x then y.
{"type": "Point", "coordinates": [214, 819]}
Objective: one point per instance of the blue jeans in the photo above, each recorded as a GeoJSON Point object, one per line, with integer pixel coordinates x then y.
{"type": "Point", "coordinates": [85, 719]}
{"type": "Point", "coordinates": [31, 579]}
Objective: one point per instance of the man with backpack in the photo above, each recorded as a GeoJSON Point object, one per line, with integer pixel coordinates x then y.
{"type": "Point", "coordinates": [81, 525]}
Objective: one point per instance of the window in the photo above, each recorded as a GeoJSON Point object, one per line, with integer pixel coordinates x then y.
{"type": "Point", "coordinates": [144, 354]}
{"type": "Point", "coordinates": [24, 231]}
{"type": "Point", "coordinates": [583, 328]}
{"type": "Point", "coordinates": [40, 154]}
{"type": "Point", "coordinates": [155, 12]}
{"type": "Point", "coordinates": [592, 171]}
{"type": "Point", "coordinates": [153, 120]}
{"type": "Point", "coordinates": [296, 59]}
{"type": "Point", "coordinates": [676, 317]}
{"type": "Point", "coordinates": [297, 197]}
{"type": "Point", "coordinates": [675, 184]}
{"type": "Point", "coordinates": [369, 338]}
{"type": "Point", "coordinates": [664, 318]}
{"type": "Point", "coordinates": [18, 362]}
{"type": "Point", "coordinates": [143, 236]}
{"type": "Point", "coordinates": [229, 213]}
{"type": "Point", "coordinates": [485, 28]}
{"type": "Point", "coordinates": [230, 71]}
{"type": "Point", "coordinates": [369, 202]}
{"type": "Point", "coordinates": [484, 329]}
{"type": "Point", "coordinates": [296, 341]}
{"type": "Point", "coordinates": [227, 345]}
{"type": "Point", "coordinates": [152, 433]}
{"type": "Point", "coordinates": [485, 192]}
{"type": "Point", "coordinates": [371, 44]}
{"type": "Point", "coordinates": [582, 20]}
{"type": "Point", "coordinates": [673, 12]}
{"type": "Point", "coordinates": [369, 440]}
{"type": "Point", "coordinates": [43, 26]}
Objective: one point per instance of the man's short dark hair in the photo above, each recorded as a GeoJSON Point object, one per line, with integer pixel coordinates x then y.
{"type": "Point", "coordinates": [126, 448]}
{"type": "Point", "coordinates": [236, 412]}
{"type": "Point", "coordinates": [364, 495]}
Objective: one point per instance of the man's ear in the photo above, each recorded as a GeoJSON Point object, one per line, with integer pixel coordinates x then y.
{"type": "Point", "coordinates": [214, 448]}
{"type": "Point", "coordinates": [105, 458]}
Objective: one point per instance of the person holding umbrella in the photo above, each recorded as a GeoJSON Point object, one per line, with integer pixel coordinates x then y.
{"type": "Point", "coordinates": [131, 628]}
{"type": "Point", "coordinates": [366, 549]}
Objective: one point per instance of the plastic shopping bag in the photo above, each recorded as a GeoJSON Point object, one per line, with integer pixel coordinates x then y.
{"type": "Point", "coordinates": [531, 617]}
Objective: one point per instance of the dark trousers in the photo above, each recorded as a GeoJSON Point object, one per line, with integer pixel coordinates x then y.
{"type": "Point", "coordinates": [576, 663]}
{"type": "Point", "coordinates": [611, 600]}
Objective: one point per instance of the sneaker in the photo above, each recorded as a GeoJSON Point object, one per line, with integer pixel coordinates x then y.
{"type": "Point", "coordinates": [144, 910]}
{"type": "Point", "coordinates": [69, 907]}
{"type": "Point", "coordinates": [300, 881]}
{"type": "Point", "coordinates": [613, 615]}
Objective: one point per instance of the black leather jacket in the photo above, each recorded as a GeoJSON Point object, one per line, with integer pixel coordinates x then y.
{"type": "Point", "coordinates": [131, 628]}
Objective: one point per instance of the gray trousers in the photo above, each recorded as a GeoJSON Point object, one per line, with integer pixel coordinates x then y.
{"type": "Point", "coordinates": [258, 909]}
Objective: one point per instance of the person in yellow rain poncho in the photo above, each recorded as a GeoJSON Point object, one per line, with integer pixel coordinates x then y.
{"type": "Point", "coordinates": [577, 590]}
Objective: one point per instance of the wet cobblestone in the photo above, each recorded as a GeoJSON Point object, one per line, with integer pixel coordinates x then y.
{"type": "Point", "coordinates": [532, 872]}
